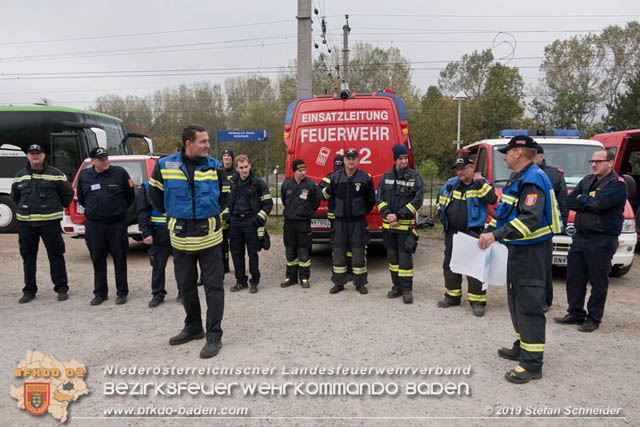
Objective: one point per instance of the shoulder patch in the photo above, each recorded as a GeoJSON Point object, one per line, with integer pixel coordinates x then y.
{"type": "Point", "coordinates": [130, 183]}
{"type": "Point", "coordinates": [560, 170]}
{"type": "Point", "coordinates": [531, 199]}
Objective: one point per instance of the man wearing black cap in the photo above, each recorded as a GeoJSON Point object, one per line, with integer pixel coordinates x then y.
{"type": "Point", "coordinates": [228, 171]}
{"type": "Point", "coordinates": [106, 192]}
{"type": "Point", "coordinates": [400, 195]}
{"type": "Point", "coordinates": [300, 198]}
{"type": "Point", "coordinates": [525, 220]}
{"type": "Point", "coordinates": [462, 207]}
{"type": "Point", "coordinates": [41, 193]}
{"type": "Point", "coordinates": [354, 195]}
{"type": "Point", "coordinates": [556, 176]}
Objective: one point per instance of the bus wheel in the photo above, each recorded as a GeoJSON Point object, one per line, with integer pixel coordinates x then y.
{"type": "Point", "coordinates": [8, 221]}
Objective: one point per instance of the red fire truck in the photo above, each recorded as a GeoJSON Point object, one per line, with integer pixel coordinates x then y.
{"type": "Point", "coordinates": [319, 127]}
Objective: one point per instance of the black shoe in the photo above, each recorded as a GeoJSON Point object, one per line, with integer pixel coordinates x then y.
{"type": "Point", "coordinates": [210, 349]}
{"type": "Point", "coordinates": [26, 298]}
{"type": "Point", "coordinates": [63, 296]}
{"type": "Point", "coordinates": [393, 293]}
{"type": "Point", "coordinates": [362, 289]}
{"type": "Point", "coordinates": [238, 287]}
{"type": "Point", "coordinates": [478, 310]}
{"type": "Point", "coordinates": [155, 301]}
{"type": "Point", "coordinates": [546, 307]}
{"type": "Point", "coordinates": [336, 289]}
{"type": "Point", "coordinates": [568, 319]}
{"type": "Point", "coordinates": [448, 302]}
{"type": "Point", "coordinates": [199, 282]}
{"type": "Point", "coordinates": [287, 283]}
{"type": "Point", "coordinates": [588, 325]}
{"type": "Point", "coordinates": [121, 299]}
{"type": "Point", "coordinates": [253, 289]}
{"type": "Point", "coordinates": [98, 299]}
{"type": "Point", "coordinates": [185, 337]}
{"type": "Point", "coordinates": [509, 353]}
{"type": "Point", "coordinates": [519, 375]}
{"type": "Point", "coordinates": [305, 283]}
{"type": "Point", "coordinates": [407, 297]}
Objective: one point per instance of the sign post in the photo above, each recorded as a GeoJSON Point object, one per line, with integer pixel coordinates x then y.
{"type": "Point", "coordinates": [248, 136]}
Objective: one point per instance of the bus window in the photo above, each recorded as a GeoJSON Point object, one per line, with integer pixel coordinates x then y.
{"type": "Point", "coordinates": [65, 153]}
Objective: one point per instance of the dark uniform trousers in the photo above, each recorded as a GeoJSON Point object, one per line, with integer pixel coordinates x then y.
{"type": "Point", "coordinates": [589, 259]}
{"type": "Point", "coordinates": [297, 243]}
{"type": "Point", "coordinates": [29, 239]}
{"type": "Point", "coordinates": [186, 269]}
{"type": "Point", "coordinates": [225, 250]}
{"type": "Point", "coordinates": [353, 235]}
{"type": "Point", "coordinates": [400, 261]}
{"type": "Point", "coordinates": [104, 238]}
{"type": "Point", "coordinates": [453, 281]}
{"type": "Point", "coordinates": [159, 253]}
{"type": "Point", "coordinates": [526, 269]}
{"type": "Point", "coordinates": [243, 232]}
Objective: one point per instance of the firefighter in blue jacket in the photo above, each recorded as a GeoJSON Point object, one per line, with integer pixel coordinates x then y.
{"type": "Point", "coordinates": [400, 195]}
{"type": "Point", "coordinates": [186, 186]}
{"type": "Point", "coordinates": [525, 220]}
{"type": "Point", "coordinates": [462, 206]}
{"type": "Point", "coordinates": [153, 226]}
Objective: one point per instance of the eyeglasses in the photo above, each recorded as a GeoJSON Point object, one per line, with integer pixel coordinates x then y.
{"type": "Point", "coordinates": [598, 161]}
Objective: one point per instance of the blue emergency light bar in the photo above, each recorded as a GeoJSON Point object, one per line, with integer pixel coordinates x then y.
{"type": "Point", "coordinates": [567, 133]}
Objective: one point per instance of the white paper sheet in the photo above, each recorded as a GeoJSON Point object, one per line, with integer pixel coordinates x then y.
{"type": "Point", "coordinates": [487, 265]}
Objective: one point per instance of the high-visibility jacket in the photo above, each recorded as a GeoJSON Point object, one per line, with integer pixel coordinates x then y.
{"type": "Point", "coordinates": [400, 193]}
{"type": "Point", "coordinates": [476, 201]}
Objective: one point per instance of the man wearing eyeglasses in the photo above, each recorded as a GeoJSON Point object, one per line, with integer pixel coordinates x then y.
{"type": "Point", "coordinates": [599, 201]}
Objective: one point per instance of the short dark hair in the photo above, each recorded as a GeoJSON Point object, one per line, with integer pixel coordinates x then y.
{"type": "Point", "coordinates": [189, 133]}
{"type": "Point", "coordinates": [610, 155]}
{"type": "Point", "coordinates": [528, 153]}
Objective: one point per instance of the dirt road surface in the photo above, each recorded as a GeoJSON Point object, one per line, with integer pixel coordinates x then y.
{"type": "Point", "coordinates": [283, 329]}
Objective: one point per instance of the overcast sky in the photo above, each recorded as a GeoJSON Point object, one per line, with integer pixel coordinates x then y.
{"type": "Point", "coordinates": [82, 39]}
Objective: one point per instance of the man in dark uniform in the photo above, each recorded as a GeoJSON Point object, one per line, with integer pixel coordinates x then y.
{"type": "Point", "coordinates": [556, 176]}
{"type": "Point", "coordinates": [187, 186]}
{"type": "Point", "coordinates": [153, 225]}
{"type": "Point", "coordinates": [300, 198]}
{"type": "Point", "coordinates": [249, 205]}
{"type": "Point", "coordinates": [400, 195]}
{"type": "Point", "coordinates": [229, 171]}
{"type": "Point", "coordinates": [599, 201]}
{"type": "Point", "coordinates": [106, 192]}
{"type": "Point", "coordinates": [462, 206]}
{"type": "Point", "coordinates": [354, 195]}
{"type": "Point", "coordinates": [41, 193]}
{"type": "Point", "coordinates": [525, 220]}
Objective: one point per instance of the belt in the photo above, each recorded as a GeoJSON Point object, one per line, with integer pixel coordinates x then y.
{"type": "Point", "coordinates": [240, 215]}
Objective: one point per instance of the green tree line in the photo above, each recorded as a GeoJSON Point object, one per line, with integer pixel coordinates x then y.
{"type": "Point", "coordinates": [588, 83]}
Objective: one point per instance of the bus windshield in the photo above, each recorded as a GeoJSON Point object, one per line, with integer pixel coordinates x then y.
{"type": "Point", "coordinates": [573, 159]}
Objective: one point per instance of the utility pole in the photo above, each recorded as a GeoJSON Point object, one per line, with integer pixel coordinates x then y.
{"type": "Point", "coordinates": [304, 48]}
{"type": "Point", "coordinates": [346, 29]}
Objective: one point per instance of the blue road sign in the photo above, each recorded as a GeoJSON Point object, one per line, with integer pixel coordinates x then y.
{"type": "Point", "coordinates": [243, 135]}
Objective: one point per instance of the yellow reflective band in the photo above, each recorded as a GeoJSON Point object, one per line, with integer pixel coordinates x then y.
{"type": "Point", "coordinates": [209, 175]}
{"type": "Point", "coordinates": [40, 217]}
{"type": "Point", "coordinates": [262, 214]}
{"type": "Point", "coordinates": [459, 196]}
{"type": "Point", "coordinates": [305, 264]}
{"type": "Point", "coordinates": [327, 180]}
{"type": "Point", "coordinates": [325, 194]}
{"type": "Point", "coordinates": [405, 273]}
{"type": "Point", "coordinates": [21, 178]}
{"type": "Point", "coordinates": [493, 222]}
{"type": "Point", "coordinates": [331, 215]}
{"type": "Point", "coordinates": [49, 177]}
{"type": "Point", "coordinates": [265, 197]}
{"type": "Point", "coordinates": [195, 243]}
{"type": "Point", "coordinates": [519, 225]}
{"type": "Point", "coordinates": [411, 208]}
{"type": "Point", "coordinates": [509, 199]}
{"type": "Point", "coordinates": [160, 219]}
{"type": "Point", "coordinates": [538, 233]}
{"type": "Point", "coordinates": [157, 184]}
{"type": "Point", "coordinates": [292, 263]}
{"type": "Point", "coordinates": [358, 270]}
{"type": "Point", "coordinates": [518, 336]}
{"type": "Point", "coordinates": [349, 254]}
{"type": "Point", "coordinates": [226, 188]}
{"type": "Point", "coordinates": [556, 223]}
{"type": "Point", "coordinates": [531, 347]}
{"type": "Point", "coordinates": [454, 292]}
{"type": "Point", "coordinates": [476, 297]}
{"type": "Point", "coordinates": [339, 270]}
{"type": "Point", "coordinates": [484, 190]}
{"type": "Point", "coordinates": [382, 205]}
{"type": "Point", "coordinates": [260, 231]}
{"type": "Point", "coordinates": [393, 267]}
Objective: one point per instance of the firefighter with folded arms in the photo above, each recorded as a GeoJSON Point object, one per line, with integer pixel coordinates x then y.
{"type": "Point", "coordinates": [187, 186]}
{"type": "Point", "coordinates": [249, 205]}
{"type": "Point", "coordinates": [300, 198]}
{"type": "Point", "coordinates": [41, 193]}
{"type": "Point", "coordinates": [400, 195]}
{"type": "Point", "coordinates": [462, 206]}
{"type": "Point", "coordinates": [354, 195]}
{"type": "Point", "coordinates": [525, 220]}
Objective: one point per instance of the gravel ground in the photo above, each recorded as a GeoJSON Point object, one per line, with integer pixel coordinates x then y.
{"type": "Point", "coordinates": [287, 328]}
